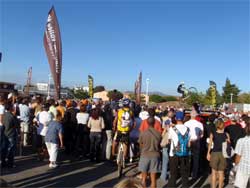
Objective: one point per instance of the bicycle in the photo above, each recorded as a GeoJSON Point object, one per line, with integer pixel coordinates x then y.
{"type": "Point", "coordinates": [120, 158]}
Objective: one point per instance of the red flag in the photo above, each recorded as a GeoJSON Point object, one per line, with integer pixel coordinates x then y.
{"type": "Point", "coordinates": [53, 48]}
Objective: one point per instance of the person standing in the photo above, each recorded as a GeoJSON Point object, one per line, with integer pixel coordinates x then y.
{"type": "Point", "coordinates": [242, 152]}
{"type": "Point", "coordinates": [167, 122]}
{"type": "Point", "coordinates": [150, 161]}
{"type": "Point", "coordinates": [196, 131]}
{"type": "Point", "coordinates": [82, 142]}
{"type": "Point", "coordinates": [2, 136]}
{"type": "Point", "coordinates": [179, 154]}
{"type": "Point", "coordinates": [11, 124]}
{"type": "Point", "coordinates": [54, 139]}
{"type": "Point", "coordinates": [25, 120]}
{"type": "Point", "coordinates": [108, 121]}
{"type": "Point", "coordinates": [96, 125]}
{"type": "Point", "coordinates": [134, 135]}
{"type": "Point", "coordinates": [217, 161]}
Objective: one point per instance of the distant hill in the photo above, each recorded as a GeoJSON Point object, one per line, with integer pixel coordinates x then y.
{"type": "Point", "coordinates": [151, 93]}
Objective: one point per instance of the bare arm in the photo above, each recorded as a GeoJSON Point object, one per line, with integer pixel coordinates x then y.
{"type": "Point", "coordinates": [237, 159]}
{"type": "Point", "coordinates": [209, 146]}
{"type": "Point", "coordinates": [61, 139]}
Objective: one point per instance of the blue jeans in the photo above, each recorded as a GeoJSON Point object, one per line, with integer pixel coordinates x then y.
{"type": "Point", "coordinates": [9, 152]}
{"type": "Point", "coordinates": [95, 145]}
{"type": "Point", "coordinates": [165, 159]}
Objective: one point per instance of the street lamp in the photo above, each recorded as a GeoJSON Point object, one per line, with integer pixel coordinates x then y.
{"type": "Point", "coordinates": [147, 95]}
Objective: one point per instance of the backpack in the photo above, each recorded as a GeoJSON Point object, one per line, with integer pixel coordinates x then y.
{"type": "Point", "coordinates": [182, 149]}
{"type": "Point", "coordinates": [126, 118]}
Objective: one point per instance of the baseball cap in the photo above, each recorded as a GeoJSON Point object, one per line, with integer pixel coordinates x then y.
{"type": "Point", "coordinates": [179, 116]}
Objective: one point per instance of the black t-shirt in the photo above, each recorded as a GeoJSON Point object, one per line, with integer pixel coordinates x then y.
{"type": "Point", "coordinates": [235, 132]}
{"type": "Point", "coordinates": [218, 139]}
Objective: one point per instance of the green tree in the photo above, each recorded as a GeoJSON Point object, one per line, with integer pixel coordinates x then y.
{"type": "Point", "coordinates": [115, 95]}
{"type": "Point", "coordinates": [228, 89]}
{"type": "Point", "coordinates": [211, 97]}
{"type": "Point", "coordinates": [170, 98]}
{"type": "Point", "coordinates": [99, 89]}
{"type": "Point", "coordinates": [244, 98]}
{"type": "Point", "coordinates": [195, 97]}
{"type": "Point", "coordinates": [80, 94]}
{"type": "Point", "coordinates": [157, 99]}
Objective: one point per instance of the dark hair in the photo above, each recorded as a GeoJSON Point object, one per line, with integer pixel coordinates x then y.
{"type": "Point", "coordinates": [46, 106]}
{"type": "Point", "coordinates": [212, 118]}
{"type": "Point", "coordinates": [52, 102]}
{"type": "Point", "coordinates": [8, 106]}
{"type": "Point", "coordinates": [247, 128]}
{"type": "Point", "coordinates": [83, 108]}
{"type": "Point", "coordinates": [137, 110]}
{"type": "Point", "coordinates": [151, 112]}
{"type": "Point", "coordinates": [95, 114]}
{"type": "Point", "coordinates": [151, 121]}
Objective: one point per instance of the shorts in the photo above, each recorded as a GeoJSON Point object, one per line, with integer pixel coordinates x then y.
{"type": "Point", "coordinates": [241, 179]}
{"type": "Point", "coordinates": [150, 164]}
{"type": "Point", "coordinates": [217, 161]}
{"type": "Point", "coordinates": [121, 137]}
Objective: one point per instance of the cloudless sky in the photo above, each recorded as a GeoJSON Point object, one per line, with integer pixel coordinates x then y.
{"type": "Point", "coordinates": [169, 41]}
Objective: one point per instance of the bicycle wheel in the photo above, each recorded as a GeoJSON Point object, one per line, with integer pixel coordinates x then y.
{"type": "Point", "coordinates": [120, 164]}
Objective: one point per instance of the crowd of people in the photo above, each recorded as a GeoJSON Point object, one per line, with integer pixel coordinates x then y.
{"type": "Point", "coordinates": [169, 142]}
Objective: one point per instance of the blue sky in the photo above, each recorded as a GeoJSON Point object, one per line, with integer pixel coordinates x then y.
{"type": "Point", "coordinates": [169, 41]}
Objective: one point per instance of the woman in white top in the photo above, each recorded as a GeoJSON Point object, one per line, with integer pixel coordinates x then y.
{"type": "Point", "coordinates": [96, 125]}
{"type": "Point", "coordinates": [82, 142]}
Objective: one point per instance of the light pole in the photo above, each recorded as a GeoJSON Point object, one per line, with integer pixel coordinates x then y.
{"type": "Point", "coordinates": [147, 95]}
{"type": "Point", "coordinates": [231, 94]}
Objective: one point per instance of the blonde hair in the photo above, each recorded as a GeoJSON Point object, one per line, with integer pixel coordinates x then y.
{"type": "Point", "coordinates": [219, 124]}
{"type": "Point", "coordinates": [129, 183]}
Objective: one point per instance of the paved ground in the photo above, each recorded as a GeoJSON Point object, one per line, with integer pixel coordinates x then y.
{"type": "Point", "coordinates": [32, 173]}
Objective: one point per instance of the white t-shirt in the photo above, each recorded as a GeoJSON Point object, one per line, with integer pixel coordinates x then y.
{"type": "Point", "coordinates": [173, 137]}
{"type": "Point", "coordinates": [82, 118]}
{"type": "Point", "coordinates": [144, 115]}
{"type": "Point", "coordinates": [1, 109]}
{"type": "Point", "coordinates": [196, 128]}
{"type": "Point", "coordinates": [44, 118]}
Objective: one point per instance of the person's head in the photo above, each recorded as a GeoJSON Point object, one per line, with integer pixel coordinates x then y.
{"type": "Point", "coordinates": [129, 183]}
{"type": "Point", "coordinates": [151, 112]}
{"type": "Point", "coordinates": [247, 128]}
{"type": "Point", "coordinates": [63, 103]}
{"type": "Point", "coordinates": [9, 106]}
{"type": "Point", "coordinates": [83, 108]}
{"type": "Point", "coordinates": [69, 103]}
{"type": "Point", "coordinates": [212, 118]}
{"type": "Point", "coordinates": [95, 114]}
{"type": "Point", "coordinates": [179, 116]}
{"type": "Point", "coordinates": [151, 121]}
{"type": "Point", "coordinates": [125, 103]}
{"type": "Point", "coordinates": [52, 102]}
{"type": "Point", "coordinates": [25, 101]}
{"type": "Point", "coordinates": [59, 116]}
{"type": "Point", "coordinates": [45, 107]}
{"type": "Point", "coordinates": [193, 114]}
{"type": "Point", "coordinates": [1, 100]}
{"type": "Point", "coordinates": [219, 124]}
{"type": "Point", "coordinates": [137, 110]}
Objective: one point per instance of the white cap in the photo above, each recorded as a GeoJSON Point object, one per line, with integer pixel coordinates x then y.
{"type": "Point", "coordinates": [10, 95]}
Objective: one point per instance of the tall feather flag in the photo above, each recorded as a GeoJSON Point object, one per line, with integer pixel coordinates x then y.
{"type": "Point", "coordinates": [138, 86]}
{"type": "Point", "coordinates": [53, 48]}
{"type": "Point", "coordinates": [91, 86]}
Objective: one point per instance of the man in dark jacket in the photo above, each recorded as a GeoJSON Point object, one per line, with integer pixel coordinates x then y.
{"type": "Point", "coordinates": [10, 132]}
